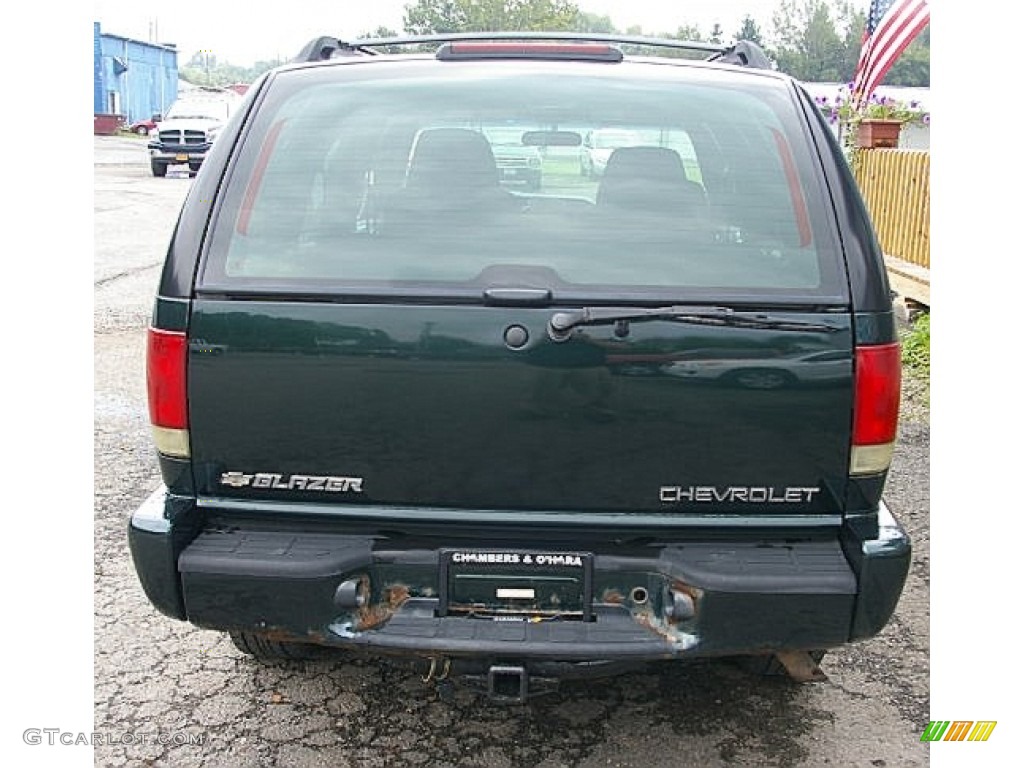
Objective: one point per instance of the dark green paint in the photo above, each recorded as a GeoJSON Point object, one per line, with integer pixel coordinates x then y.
{"type": "Point", "coordinates": [430, 407]}
{"type": "Point", "coordinates": [170, 314]}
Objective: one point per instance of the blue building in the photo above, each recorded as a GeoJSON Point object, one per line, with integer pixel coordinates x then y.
{"type": "Point", "coordinates": [132, 78]}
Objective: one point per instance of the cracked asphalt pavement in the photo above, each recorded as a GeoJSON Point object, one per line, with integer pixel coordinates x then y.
{"type": "Point", "coordinates": [175, 695]}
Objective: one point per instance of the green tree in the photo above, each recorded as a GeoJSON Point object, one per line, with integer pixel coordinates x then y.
{"type": "Point", "coordinates": [425, 17]}
{"type": "Point", "coordinates": [749, 31]}
{"type": "Point", "coordinates": [816, 40]}
{"type": "Point", "coordinates": [688, 32]}
{"type": "Point", "coordinates": [591, 22]}
{"type": "Point", "coordinates": [913, 67]}
{"type": "Point", "coordinates": [252, 73]}
{"type": "Point", "coordinates": [385, 32]}
{"type": "Point", "coordinates": [855, 21]}
{"type": "Point", "coordinates": [200, 59]}
{"type": "Point", "coordinates": [430, 16]}
{"type": "Point", "coordinates": [223, 73]}
{"type": "Point", "coordinates": [820, 40]}
{"type": "Point", "coordinates": [380, 32]}
{"type": "Point", "coordinates": [807, 44]}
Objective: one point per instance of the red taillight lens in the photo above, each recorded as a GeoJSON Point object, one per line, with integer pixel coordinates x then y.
{"type": "Point", "coordinates": [876, 404]}
{"type": "Point", "coordinates": [876, 407]}
{"type": "Point", "coordinates": [166, 353]}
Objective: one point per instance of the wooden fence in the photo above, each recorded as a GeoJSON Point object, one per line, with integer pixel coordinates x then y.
{"type": "Point", "coordinates": [895, 186]}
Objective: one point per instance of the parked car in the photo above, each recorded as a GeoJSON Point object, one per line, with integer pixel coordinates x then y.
{"type": "Point", "coordinates": [144, 127]}
{"type": "Point", "coordinates": [488, 499]}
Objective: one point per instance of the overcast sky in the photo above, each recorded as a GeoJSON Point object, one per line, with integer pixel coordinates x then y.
{"type": "Point", "coordinates": [243, 34]}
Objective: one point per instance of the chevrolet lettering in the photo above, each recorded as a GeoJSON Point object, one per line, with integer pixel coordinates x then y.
{"type": "Point", "coordinates": [523, 356]}
{"type": "Point", "coordinates": [674, 494]}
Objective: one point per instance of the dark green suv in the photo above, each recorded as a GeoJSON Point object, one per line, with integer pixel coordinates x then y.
{"type": "Point", "coordinates": [402, 407]}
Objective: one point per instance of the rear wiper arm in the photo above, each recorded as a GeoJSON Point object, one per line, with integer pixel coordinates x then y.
{"type": "Point", "coordinates": [561, 324]}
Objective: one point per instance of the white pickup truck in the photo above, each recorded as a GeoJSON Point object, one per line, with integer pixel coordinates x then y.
{"type": "Point", "coordinates": [189, 128]}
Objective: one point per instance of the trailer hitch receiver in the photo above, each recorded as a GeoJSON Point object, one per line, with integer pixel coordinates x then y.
{"type": "Point", "coordinates": [508, 684]}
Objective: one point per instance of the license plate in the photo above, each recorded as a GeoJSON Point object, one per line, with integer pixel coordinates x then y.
{"type": "Point", "coordinates": [181, 158]}
{"type": "Point", "coordinates": [508, 583]}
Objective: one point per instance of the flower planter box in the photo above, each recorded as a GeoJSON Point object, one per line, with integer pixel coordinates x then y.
{"type": "Point", "coordinates": [875, 134]}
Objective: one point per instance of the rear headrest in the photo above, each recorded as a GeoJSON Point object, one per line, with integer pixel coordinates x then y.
{"type": "Point", "coordinates": [443, 158]}
{"type": "Point", "coordinates": [648, 178]}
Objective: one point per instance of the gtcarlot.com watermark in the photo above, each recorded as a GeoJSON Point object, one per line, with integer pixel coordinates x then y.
{"type": "Point", "coordinates": [57, 736]}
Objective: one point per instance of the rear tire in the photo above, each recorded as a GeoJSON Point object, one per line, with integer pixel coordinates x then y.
{"type": "Point", "coordinates": [159, 169]}
{"type": "Point", "coordinates": [263, 648]}
{"type": "Point", "coordinates": [142, 130]}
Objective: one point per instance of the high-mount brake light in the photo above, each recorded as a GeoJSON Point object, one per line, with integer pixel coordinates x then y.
{"type": "Point", "coordinates": [876, 405]}
{"type": "Point", "coordinates": [528, 50]}
{"type": "Point", "coordinates": [166, 356]}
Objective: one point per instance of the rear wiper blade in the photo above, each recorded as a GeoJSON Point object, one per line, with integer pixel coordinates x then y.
{"type": "Point", "coordinates": [561, 324]}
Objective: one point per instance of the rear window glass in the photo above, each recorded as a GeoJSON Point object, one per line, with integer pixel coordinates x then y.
{"type": "Point", "coordinates": [475, 177]}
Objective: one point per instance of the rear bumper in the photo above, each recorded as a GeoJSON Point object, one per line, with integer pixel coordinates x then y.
{"type": "Point", "coordinates": [386, 593]}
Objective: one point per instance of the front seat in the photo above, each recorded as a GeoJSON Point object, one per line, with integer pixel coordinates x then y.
{"type": "Point", "coordinates": [650, 181]}
{"type": "Point", "coordinates": [454, 159]}
{"type": "Point", "coordinates": [451, 181]}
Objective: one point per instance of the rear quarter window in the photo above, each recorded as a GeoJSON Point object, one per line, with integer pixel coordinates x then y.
{"type": "Point", "coordinates": [441, 177]}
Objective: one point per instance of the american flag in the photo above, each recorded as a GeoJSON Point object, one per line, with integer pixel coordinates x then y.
{"type": "Point", "coordinates": [892, 24]}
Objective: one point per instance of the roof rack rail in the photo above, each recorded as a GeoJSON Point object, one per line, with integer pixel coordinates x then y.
{"type": "Point", "coordinates": [323, 48]}
{"type": "Point", "coordinates": [746, 54]}
{"type": "Point", "coordinates": [742, 53]}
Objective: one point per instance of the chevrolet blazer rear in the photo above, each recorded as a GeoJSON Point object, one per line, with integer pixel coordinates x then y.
{"type": "Point", "coordinates": [402, 408]}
